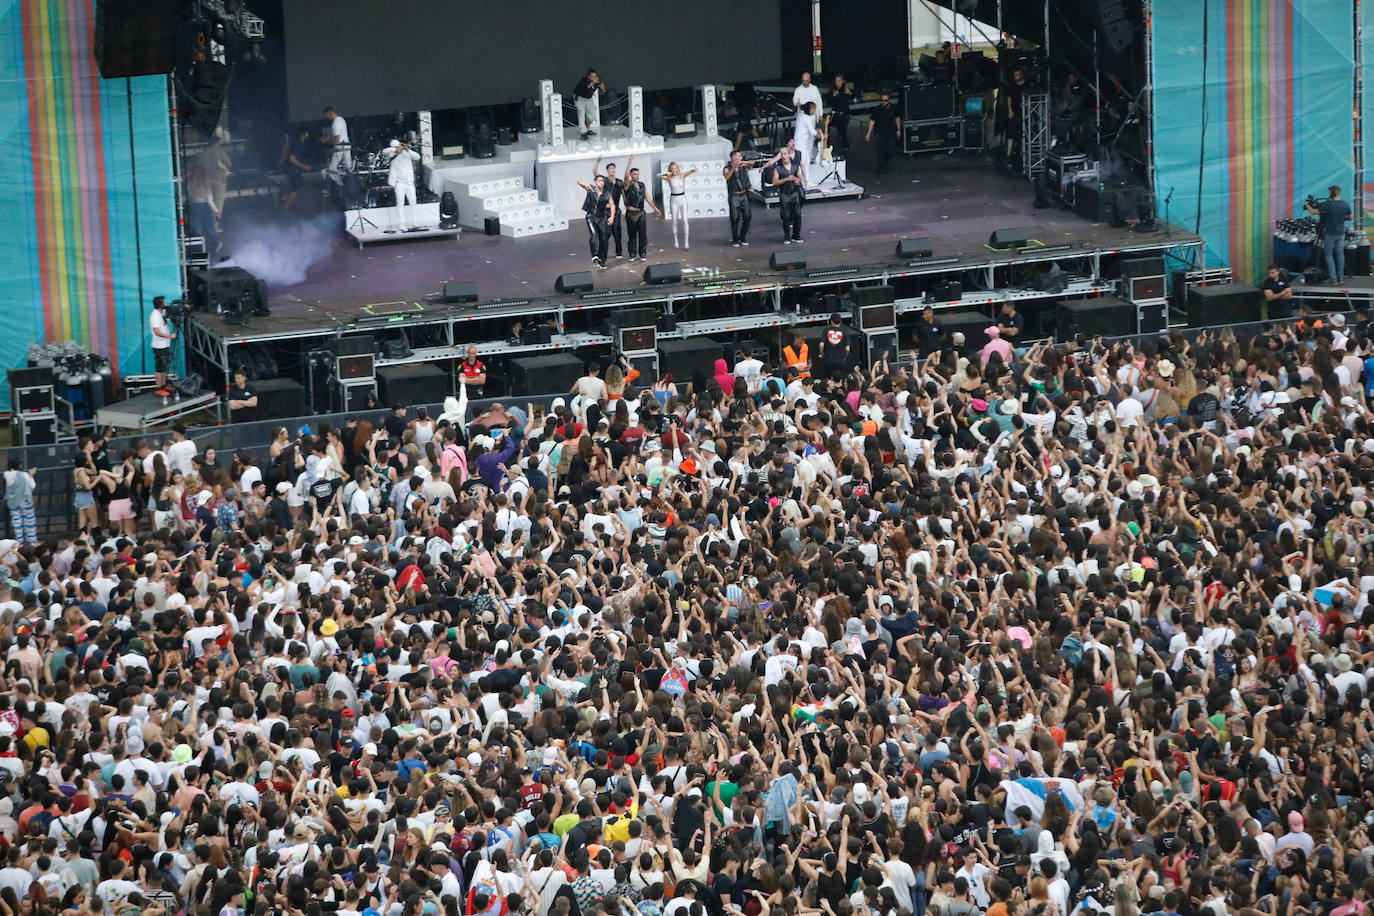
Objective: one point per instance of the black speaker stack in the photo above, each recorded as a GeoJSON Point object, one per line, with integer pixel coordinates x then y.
{"type": "Point", "coordinates": [135, 37]}
{"type": "Point", "coordinates": [576, 282]}
{"type": "Point", "coordinates": [1223, 303]}
{"type": "Point", "coordinates": [545, 373]}
{"type": "Point", "coordinates": [1105, 317]}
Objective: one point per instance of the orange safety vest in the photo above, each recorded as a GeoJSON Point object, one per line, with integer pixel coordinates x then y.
{"type": "Point", "coordinates": [799, 361]}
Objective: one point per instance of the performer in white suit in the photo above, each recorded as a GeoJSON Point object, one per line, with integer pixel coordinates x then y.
{"type": "Point", "coordinates": [401, 176]}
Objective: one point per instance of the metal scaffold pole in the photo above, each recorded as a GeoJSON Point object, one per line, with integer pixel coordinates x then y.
{"type": "Point", "coordinates": [1358, 117]}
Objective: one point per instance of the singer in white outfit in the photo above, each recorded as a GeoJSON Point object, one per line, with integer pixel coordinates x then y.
{"type": "Point", "coordinates": [804, 135]}
{"type": "Point", "coordinates": [677, 201]}
{"type": "Point", "coordinates": [808, 92]}
{"type": "Point", "coordinates": [401, 176]}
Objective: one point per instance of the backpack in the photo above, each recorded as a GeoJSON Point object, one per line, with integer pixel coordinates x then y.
{"type": "Point", "coordinates": [1071, 651]}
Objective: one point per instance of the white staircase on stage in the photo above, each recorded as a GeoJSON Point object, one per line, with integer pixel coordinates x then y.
{"type": "Point", "coordinates": [707, 195]}
{"type": "Point", "coordinates": [519, 208]}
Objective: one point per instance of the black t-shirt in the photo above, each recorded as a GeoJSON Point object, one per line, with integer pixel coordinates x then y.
{"type": "Point", "coordinates": [241, 394]}
{"type": "Point", "coordinates": [323, 491]}
{"type": "Point", "coordinates": [1204, 406]}
{"type": "Point", "coordinates": [884, 121]}
{"type": "Point", "coordinates": [585, 89]}
{"type": "Point", "coordinates": [1015, 320]}
{"type": "Point", "coordinates": [834, 345]}
{"type": "Point", "coordinates": [928, 335]}
{"type": "Point", "coordinates": [840, 100]}
{"type": "Point", "coordinates": [1278, 308]}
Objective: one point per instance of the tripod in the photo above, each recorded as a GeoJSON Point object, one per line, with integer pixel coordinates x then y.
{"type": "Point", "coordinates": [354, 196]}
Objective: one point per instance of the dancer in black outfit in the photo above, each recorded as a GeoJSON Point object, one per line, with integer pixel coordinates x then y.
{"type": "Point", "coordinates": [617, 188]}
{"type": "Point", "coordinates": [741, 209]}
{"type": "Point", "coordinates": [600, 210]}
{"type": "Point", "coordinates": [636, 200]}
{"type": "Point", "coordinates": [787, 178]}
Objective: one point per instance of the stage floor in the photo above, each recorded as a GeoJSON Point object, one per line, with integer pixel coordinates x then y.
{"type": "Point", "coordinates": [957, 200]}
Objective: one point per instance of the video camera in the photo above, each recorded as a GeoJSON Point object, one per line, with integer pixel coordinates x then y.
{"type": "Point", "coordinates": [176, 310]}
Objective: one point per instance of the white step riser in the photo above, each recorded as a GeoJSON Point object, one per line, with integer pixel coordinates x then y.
{"type": "Point", "coordinates": [524, 228]}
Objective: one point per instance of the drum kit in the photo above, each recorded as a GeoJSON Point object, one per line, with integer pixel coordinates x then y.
{"type": "Point", "coordinates": [365, 184]}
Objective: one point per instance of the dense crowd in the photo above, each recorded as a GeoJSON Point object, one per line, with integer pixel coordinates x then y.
{"type": "Point", "coordinates": [1023, 631]}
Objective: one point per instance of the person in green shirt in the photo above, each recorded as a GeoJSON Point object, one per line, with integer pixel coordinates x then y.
{"type": "Point", "coordinates": [722, 793]}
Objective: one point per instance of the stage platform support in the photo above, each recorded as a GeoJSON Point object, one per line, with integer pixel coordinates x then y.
{"type": "Point", "coordinates": [148, 410]}
{"type": "Point", "coordinates": [378, 224]}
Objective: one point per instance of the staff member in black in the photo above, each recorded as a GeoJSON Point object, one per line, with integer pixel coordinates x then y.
{"type": "Point", "coordinates": [636, 200]}
{"type": "Point", "coordinates": [884, 125]}
{"type": "Point", "coordinates": [1278, 293]}
{"type": "Point", "coordinates": [617, 189]}
{"type": "Point", "coordinates": [787, 179]}
{"type": "Point", "coordinates": [600, 210]}
{"type": "Point", "coordinates": [841, 97]}
{"type": "Point", "coordinates": [741, 210]}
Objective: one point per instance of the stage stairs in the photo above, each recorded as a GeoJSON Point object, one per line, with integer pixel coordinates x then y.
{"type": "Point", "coordinates": [518, 208]}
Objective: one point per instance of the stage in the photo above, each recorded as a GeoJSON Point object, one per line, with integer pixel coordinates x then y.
{"type": "Point", "coordinates": [956, 202]}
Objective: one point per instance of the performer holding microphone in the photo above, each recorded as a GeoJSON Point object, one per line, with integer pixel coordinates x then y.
{"type": "Point", "coordinates": [636, 199]}
{"type": "Point", "coordinates": [401, 176]}
{"type": "Point", "coordinates": [587, 98]}
{"type": "Point", "coordinates": [741, 210]}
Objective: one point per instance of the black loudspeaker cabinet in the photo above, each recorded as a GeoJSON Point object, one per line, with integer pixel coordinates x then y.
{"type": "Point", "coordinates": [680, 357]}
{"type": "Point", "coordinates": [460, 292]}
{"type": "Point", "coordinates": [1141, 289]}
{"type": "Point", "coordinates": [576, 282]}
{"type": "Point", "coordinates": [877, 317]}
{"type": "Point", "coordinates": [1106, 317]}
{"type": "Point", "coordinates": [946, 291]}
{"type": "Point", "coordinates": [793, 259]}
{"type": "Point", "coordinates": [656, 274]}
{"type": "Point", "coordinates": [873, 295]}
{"type": "Point", "coordinates": [415, 383]}
{"type": "Point", "coordinates": [1008, 238]}
{"type": "Point", "coordinates": [915, 248]}
{"type": "Point", "coordinates": [1142, 267]}
{"type": "Point", "coordinates": [927, 101]}
{"type": "Point", "coordinates": [491, 225]}
{"type": "Point", "coordinates": [30, 377]}
{"type": "Point", "coordinates": [1223, 303]}
{"type": "Point", "coordinates": [353, 346]}
{"type": "Point", "coordinates": [1152, 317]}
{"type": "Point", "coordinates": [204, 102]}
{"type": "Point", "coordinates": [135, 37]}
{"type": "Point", "coordinates": [973, 325]}
{"type": "Point", "coordinates": [222, 287]}
{"type": "Point", "coordinates": [544, 374]}
{"type": "Point", "coordinates": [643, 317]}
{"type": "Point", "coordinates": [280, 397]}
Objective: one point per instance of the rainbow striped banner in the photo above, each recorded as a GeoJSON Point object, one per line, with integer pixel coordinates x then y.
{"type": "Point", "coordinates": [1276, 108]}
{"type": "Point", "coordinates": [83, 252]}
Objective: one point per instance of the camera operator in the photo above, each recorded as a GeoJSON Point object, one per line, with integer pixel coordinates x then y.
{"type": "Point", "coordinates": [163, 335]}
{"type": "Point", "coordinates": [1334, 213]}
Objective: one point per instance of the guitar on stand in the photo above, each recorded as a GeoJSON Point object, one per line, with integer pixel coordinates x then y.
{"type": "Point", "coordinates": [827, 158]}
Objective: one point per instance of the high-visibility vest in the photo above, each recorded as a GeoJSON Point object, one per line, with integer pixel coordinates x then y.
{"type": "Point", "coordinates": [801, 361]}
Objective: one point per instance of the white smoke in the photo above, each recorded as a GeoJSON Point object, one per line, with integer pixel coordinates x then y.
{"type": "Point", "coordinates": [282, 255]}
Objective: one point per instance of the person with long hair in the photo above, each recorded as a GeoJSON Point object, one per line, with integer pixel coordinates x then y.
{"type": "Point", "coordinates": [677, 212]}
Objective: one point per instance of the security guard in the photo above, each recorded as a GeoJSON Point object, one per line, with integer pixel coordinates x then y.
{"type": "Point", "coordinates": [798, 356]}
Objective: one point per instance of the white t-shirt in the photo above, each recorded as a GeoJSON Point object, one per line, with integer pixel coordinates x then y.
{"type": "Point", "coordinates": [803, 94]}
{"type": "Point", "coordinates": [156, 322]}
{"type": "Point", "coordinates": [339, 128]}
{"type": "Point", "coordinates": [179, 455]}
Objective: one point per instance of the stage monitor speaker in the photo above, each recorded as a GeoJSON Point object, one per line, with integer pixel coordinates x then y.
{"type": "Point", "coordinates": [1223, 303]}
{"type": "Point", "coordinates": [544, 374]}
{"type": "Point", "coordinates": [1008, 238]}
{"type": "Point", "coordinates": [460, 292]}
{"type": "Point", "coordinates": [1152, 317]}
{"type": "Point", "coordinates": [413, 383]}
{"type": "Point", "coordinates": [681, 357]}
{"type": "Point", "coordinates": [135, 37]}
{"type": "Point", "coordinates": [579, 281]}
{"type": "Point", "coordinates": [973, 325]}
{"type": "Point", "coordinates": [787, 260]}
{"type": "Point", "coordinates": [353, 346]}
{"type": "Point", "coordinates": [872, 295]}
{"type": "Point", "coordinates": [658, 274]}
{"type": "Point", "coordinates": [1105, 317]}
{"type": "Point", "coordinates": [914, 248]}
